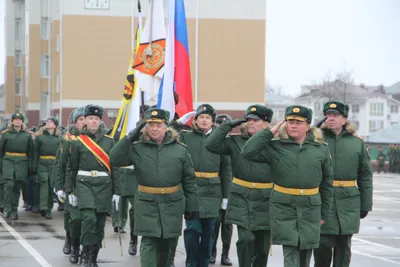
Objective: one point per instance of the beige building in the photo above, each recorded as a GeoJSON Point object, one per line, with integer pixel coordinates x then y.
{"type": "Point", "coordinates": [62, 54]}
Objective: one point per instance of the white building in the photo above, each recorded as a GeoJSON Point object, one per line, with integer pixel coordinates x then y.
{"type": "Point", "coordinates": [369, 111]}
{"type": "Point", "coordinates": [278, 103]}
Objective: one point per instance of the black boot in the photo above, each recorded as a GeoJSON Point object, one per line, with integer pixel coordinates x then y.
{"type": "Point", "coordinates": [15, 215]}
{"type": "Point", "coordinates": [67, 244]}
{"type": "Point", "coordinates": [213, 255]}
{"type": "Point", "coordinates": [225, 256]}
{"type": "Point", "coordinates": [94, 252]}
{"type": "Point", "coordinates": [74, 256]}
{"type": "Point", "coordinates": [133, 245]}
{"type": "Point", "coordinates": [86, 260]}
{"type": "Point", "coordinates": [60, 206]}
{"type": "Point", "coordinates": [35, 209]}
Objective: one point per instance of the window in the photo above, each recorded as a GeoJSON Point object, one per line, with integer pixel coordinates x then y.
{"type": "Point", "coordinates": [58, 43]}
{"type": "Point", "coordinates": [355, 108]}
{"type": "Point", "coordinates": [375, 125]}
{"type": "Point", "coordinates": [17, 108]}
{"type": "Point", "coordinates": [18, 58]}
{"type": "Point", "coordinates": [45, 66]}
{"type": "Point", "coordinates": [18, 29]}
{"type": "Point", "coordinates": [18, 87]}
{"type": "Point", "coordinates": [57, 82]}
{"type": "Point", "coordinates": [394, 109]}
{"type": "Point", "coordinates": [44, 28]}
{"type": "Point", "coordinates": [356, 124]}
{"type": "Point", "coordinates": [376, 109]}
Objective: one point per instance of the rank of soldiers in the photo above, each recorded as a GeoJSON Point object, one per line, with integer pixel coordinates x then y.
{"type": "Point", "coordinates": [292, 184]}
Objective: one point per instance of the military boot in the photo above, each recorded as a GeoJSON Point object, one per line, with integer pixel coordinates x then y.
{"type": "Point", "coordinates": [133, 245]}
{"type": "Point", "coordinates": [7, 214]}
{"type": "Point", "coordinates": [213, 255]}
{"type": "Point", "coordinates": [67, 244]}
{"type": "Point", "coordinates": [14, 215]}
{"type": "Point", "coordinates": [94, 252]}
{"type": "Point", "coordinates": [86, 260]}
{"type": "Point", "coordinates": [48, 215]}
{"type": "Point", "coordinates": [35, 209]}
{"type": "Point", "coordinates": [74, 256]}
{"type": "Point", "coordinates": [225, 256]}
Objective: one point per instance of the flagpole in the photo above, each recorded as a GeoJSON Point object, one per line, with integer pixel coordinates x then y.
{"type": "Point", "coordinates": [196, 73]}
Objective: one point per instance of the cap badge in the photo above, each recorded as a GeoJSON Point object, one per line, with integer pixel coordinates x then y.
{"type": "Point", "coordinates": [18, 114]}
{"type": "Point", "coordinates": [253, 109]}
{"type": "Point", "coordinates": [95, 111]}
{"type": "Point", "coordinates": [204, 108]}
{"type": "Point", "coordinates": [154, 113]}
{"type": "Point", "coordinates": [296, 110]}
{"type": "Point", "coordinates": [333, 105]}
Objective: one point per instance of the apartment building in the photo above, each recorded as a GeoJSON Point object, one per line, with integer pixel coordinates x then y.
{"type": "Point", "coordinates": [62, 54]}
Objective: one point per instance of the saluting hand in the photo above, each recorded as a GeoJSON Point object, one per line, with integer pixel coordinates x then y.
{"type": "Point", "coordinates": [235, 123]}
{"type": "Point", "coordinates": [274, 130]}
{"type": "Point", "coordinates": [185, 118]}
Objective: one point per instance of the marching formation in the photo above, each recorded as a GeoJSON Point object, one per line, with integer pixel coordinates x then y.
{"type": "Point", "coordinates": [292, 184]}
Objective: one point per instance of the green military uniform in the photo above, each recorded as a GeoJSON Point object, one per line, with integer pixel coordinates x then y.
{"type": "Point", "coordinates": [226, 228]}
{"type": "Point", "coordinates": [390, 158]}
{"type": "Point", "coordinates": [302, 194]}
{"type": "Point", "coordinates": [1, 185]}
{"type": "Point", "coordinates": [214, 173]}
{"type": "Point", "coordinates": [166, 188]}
{"type": "Point", "coordinates": [352, 191]}
{"type": "Point", "coordinates": [45, 150]}
{"type": "Point", "coordinates": [381, 162]}
{"type": "Point", "coordinates": [248, 202]}
{"type": "Point", "coordinates": [120, 216]}
{"type": "Point", "coordinates": [16, 154]}
{"type": "Point", "coordinates": [92, 181]}
{"type": "Point", "coordinates": [397, 159]}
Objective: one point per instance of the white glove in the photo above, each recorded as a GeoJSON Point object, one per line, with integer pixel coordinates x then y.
{"type": "Point", "coordinates": [115, 199]}
{"type": "Point", "coordinates": [224, 204]}
{"type": "Point", "coordinates": [185, 118]}
{"type": "Point", "coordinates": [61, 196]}
{"type": "Point", "coordinates": [73, 200]}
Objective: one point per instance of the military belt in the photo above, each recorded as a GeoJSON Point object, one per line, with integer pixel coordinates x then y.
{"type": "Point", "coordinates": [47, 157]}
{"type": "Point", "coordinates": [92, 173]}
{"type": "Point", "coordinates": [206, 174]}
{"type": "Point", "coordinates": [12, 154]}
{"type": "Point", "coordinates": [252, 185]}
{"type": "Point", "coordinates": [128, 167]}
{"type": "Point", "coordinates": [296, 191]}
{"type": "Point", "coordinates": [338, 183]}
{"type": "Point", "coordinates": [158, 190]}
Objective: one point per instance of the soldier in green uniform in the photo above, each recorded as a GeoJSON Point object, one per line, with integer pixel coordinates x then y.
{"type": "Point", "coordinates": [214, 173]}
{"type": "Point", "coordinates": [226, 228]}
{"type": "Point", "coordinates": [248, 201]}
{"type": "Point", "coordinates": [352, 187]}
{"type": "Point", "coordinates": [72, 215]}
{"type": "Point", "coordinates": [90, 183]}
{"type": "Point", "coordinates": [166, 185]}
{"type": "Point", "coordinates": [390, 157]}
{"type": "Point", "coordinates": [381, 161]}
{"type": "Point", "coordinates": [16, 155]}
{"type": "Point", "coordinates": [120, 216]}
{"type": "Point", "coordinates": [1, 185]}
{"type": "Point", "coordinates": [396, 164]}
{"type": "Point", "coordinates": [302, 169]}
{"type": "Point", "coordinates": [45, 149]}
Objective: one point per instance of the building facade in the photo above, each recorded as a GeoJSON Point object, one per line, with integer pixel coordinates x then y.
{"type": "Point", "coordinates": [62, 54]}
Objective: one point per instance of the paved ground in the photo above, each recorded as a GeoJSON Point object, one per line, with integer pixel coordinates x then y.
{"type": "Point", "coordinates": [33, 241]}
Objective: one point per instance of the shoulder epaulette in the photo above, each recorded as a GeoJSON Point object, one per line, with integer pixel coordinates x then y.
{"type": "Point", "coordinates": [186, 131]}
{"type": "Point", "coordinates": [69, 137]}
{"type": "Point", "coordinates": [180, 143]}
{"type": "Point", "coordinates": [109, 136]}
{"type": "Point", "coordinates": [6, 130]}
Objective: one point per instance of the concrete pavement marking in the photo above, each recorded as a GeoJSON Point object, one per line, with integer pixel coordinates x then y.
{"type": "Point", "coordinates": [25, 244]}
{"type": "Point", "coordinates": [397, 250]}
{"type": "Point", "coordinates": [374, 257]}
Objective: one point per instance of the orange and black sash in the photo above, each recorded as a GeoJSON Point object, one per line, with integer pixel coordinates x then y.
{"type": "Point", "coordinates": [97, 151]}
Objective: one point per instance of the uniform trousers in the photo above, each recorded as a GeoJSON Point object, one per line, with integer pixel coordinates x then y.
{"type": "Point", "coordinates": [92, 231]}
{"type": "Point", "coordinates": [253, 247]}
{"type": "Point", "coordinates": [155, 252]}
{"type": "Point", "coordinates": [338, 245]}
{"type": "Point", "coordinates": [295, 257]}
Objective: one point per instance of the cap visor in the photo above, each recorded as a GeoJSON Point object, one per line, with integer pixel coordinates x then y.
{"type": "Point", "coordinates": [253, 116]}
{"type": "Point", "coordinates": [155, 120]}
{"type": "Point", "coordinates": [297, 118]}
{"type": "Point", "coordinates": [334, 111]}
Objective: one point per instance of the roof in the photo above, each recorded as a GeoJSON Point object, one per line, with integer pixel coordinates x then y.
{"type": "Point", "coordinates": [394, 89]}
{"type": "Point", "coordinates": [389, 135]}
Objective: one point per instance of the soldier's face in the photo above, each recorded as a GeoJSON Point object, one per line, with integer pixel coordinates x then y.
{"type": "Point", "coordinates": [297, 129]}
{"type": "Point", "coordinates": [156, 130]}
{"type": "Point", "coordinates": [204, 122]}
{"type": "Point", "coordinates": [17, 122]}
{"type": "Point", "coordinates": [80, 122]}
{"type": "Point", "coordinates": [93, 123]}
{"type": "Point", "coordinates": [50, 124]}
{"type": "Point", "coordinates": [254, 126]}
{"type": "Point", "coordinates": [335, 121]}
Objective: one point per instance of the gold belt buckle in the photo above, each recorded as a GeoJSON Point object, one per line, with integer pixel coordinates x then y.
{"type": "Point", "coordinates": [162, 190]}
{"type": "Point", "coordinates": [301, 192]}
{"type": "Point", "coordinates": [254, 185]}
{"type": "Point", "coordinates": [94, 173]}
{"type": "Point", "coordinates": [341, 183]}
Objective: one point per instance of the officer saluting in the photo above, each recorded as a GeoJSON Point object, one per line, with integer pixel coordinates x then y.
{"type": "Point", "coordinates": [302, 170]}
{"type": "Point", "coordinates": [94, 186]}
{"type": "Point", "coordinates": [16, 158]}
{"type": "Point", "coordinates": [352, 187]}
{"type": "Point", "coordinates": [166, 185]}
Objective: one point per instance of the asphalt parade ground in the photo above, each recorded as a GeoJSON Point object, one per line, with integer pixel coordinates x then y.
{"type": "Point", "coordinates": [34, 241]}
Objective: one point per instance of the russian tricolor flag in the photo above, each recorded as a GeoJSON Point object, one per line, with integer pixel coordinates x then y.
{"type": "Point", "coordinates": [177, 63]}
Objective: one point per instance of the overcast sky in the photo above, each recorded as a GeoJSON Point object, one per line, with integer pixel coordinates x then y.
{"type": "Point", "coordinates": [307, 38]}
